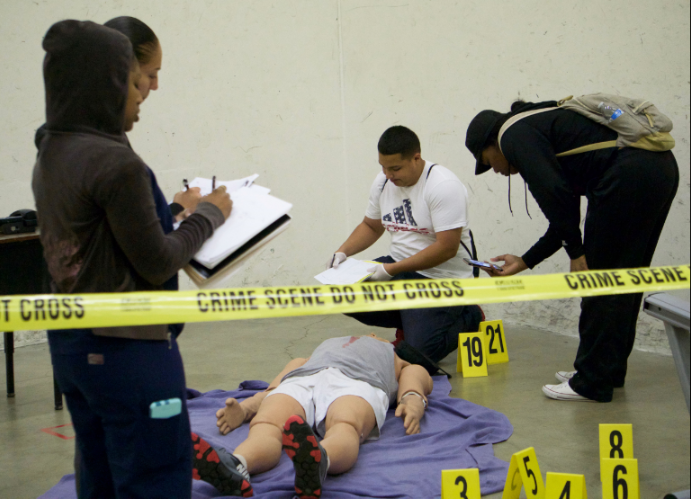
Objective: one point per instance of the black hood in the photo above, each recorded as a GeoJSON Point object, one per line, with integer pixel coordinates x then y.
{"type": "Point", "coordinates": [86, 71]}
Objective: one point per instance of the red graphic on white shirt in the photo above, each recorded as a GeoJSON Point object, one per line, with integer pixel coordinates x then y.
{"type": "Point", "coordinates": [393, 227]}
{"type": "Point", "coordinates": [402, 220]}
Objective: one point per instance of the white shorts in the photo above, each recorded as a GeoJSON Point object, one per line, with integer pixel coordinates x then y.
{"type": "Point", "coordinates": [317, 392]}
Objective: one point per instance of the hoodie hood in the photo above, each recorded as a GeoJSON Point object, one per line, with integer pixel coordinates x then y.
{"type": "Point", "coordinates": [86, 74]}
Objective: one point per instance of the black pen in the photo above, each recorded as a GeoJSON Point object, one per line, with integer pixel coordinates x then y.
{"type": "Point", "coordinates": [185, 184]}
{"type": "Point", "coordinates": [213, 183]}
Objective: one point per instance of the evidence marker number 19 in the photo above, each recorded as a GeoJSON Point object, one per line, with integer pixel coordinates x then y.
{"type": "Point", "coordinates": [471, 358]}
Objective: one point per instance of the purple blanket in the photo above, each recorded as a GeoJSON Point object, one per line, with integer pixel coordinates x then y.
{"type": "Point", "coordinates": [455, 434]}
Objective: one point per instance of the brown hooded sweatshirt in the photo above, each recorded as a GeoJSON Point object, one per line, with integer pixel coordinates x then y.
{"type": "Point", "coordinates": [96, 211]}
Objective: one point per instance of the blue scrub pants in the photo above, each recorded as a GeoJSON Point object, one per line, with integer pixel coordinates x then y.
{"type": "Point", "coordinates": [109, 384]}
{"type": "Point", "coordinates": [433, 331]}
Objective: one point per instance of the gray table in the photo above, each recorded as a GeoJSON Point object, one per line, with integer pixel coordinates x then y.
{"type": "Point", "coordinates": [23, 271]}
{"type": "Point", "coordinates": [674, 312]}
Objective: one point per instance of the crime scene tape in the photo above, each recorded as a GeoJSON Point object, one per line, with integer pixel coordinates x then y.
{"type": "Point", "coordinates": [168, 307]}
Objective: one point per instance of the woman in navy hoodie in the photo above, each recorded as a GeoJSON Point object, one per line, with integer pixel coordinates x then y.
{"type": "Point", "coordinates": [101, 233]}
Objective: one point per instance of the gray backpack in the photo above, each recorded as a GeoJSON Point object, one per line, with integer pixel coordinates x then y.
{"type": "Point", "coordinates": [638, 122]}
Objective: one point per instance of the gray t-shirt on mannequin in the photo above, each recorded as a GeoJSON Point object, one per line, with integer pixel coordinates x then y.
{"type": "Point", "coordinates": [358, 357]}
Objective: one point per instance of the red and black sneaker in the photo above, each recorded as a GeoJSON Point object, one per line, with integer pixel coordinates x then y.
{"type": "Point", "coordinates": [219, 468]}
{"type": "Point", "coordinates": [309, 458]}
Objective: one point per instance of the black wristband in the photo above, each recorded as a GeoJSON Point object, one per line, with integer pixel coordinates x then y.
{"type": "Point", "coordinates": [176, 209]}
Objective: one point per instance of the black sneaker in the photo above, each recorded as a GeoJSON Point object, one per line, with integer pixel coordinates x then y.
{"type": "Point", "coordinates": [309, 458]}
{"type": "Point", "coordinates": [219, 468]}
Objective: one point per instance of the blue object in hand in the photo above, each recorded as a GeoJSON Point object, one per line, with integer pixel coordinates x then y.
{"type": "Point", "coordinates": [164, 409]}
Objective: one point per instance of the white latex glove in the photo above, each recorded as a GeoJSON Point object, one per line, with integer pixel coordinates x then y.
{"type": "Point", "coordinates": [379, 273]}
{"type": "Point", "coordinates": [334, 261]}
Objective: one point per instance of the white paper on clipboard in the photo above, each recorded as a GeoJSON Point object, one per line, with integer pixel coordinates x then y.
{"type": "Point", "coordinates": [253, 211]}
{"type": "Point", "coordinates": [350, 271]}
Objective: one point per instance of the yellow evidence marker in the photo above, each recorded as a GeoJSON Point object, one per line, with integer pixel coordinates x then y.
{"type": "Point", "coordinates": [495, 338]}
{"type": "Point", "coordinates": [620, 479]}
{"type": "Point", "coordinates": [460, 483]}
{"type": "Point", "coordinates": [524, 470]}
{"type": "Point", "coordinates": [565, 486]}
{"type": "Point", "coordinates": [616, 442]}
{"type": "Point", "coordinates": [471, 361]}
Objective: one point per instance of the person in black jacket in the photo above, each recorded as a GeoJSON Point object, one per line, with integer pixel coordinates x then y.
{"type": "Point", "coordinates": [629, 194]}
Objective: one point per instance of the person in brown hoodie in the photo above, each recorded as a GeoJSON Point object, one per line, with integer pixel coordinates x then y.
{"type": "Point", "coordinates": [100, 233]}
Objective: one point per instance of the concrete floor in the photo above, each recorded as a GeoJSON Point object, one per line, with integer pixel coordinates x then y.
{"type": "Point", "coordinates": [220, 355]}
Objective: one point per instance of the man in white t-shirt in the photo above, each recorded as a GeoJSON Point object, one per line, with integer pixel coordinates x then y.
{"type": "Point", "coordinates": [425, 208]}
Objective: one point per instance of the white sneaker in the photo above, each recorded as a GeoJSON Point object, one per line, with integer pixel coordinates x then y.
{"type": "Point", "coordinates": [563, 392]}
{"type": "Point", "coordinates": [564, 375]}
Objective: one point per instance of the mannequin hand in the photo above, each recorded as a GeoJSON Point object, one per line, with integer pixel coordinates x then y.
{"type": "Point", "coordinates": [335, 260]}
{"type": "Point", "coordinates": [579, 264]}
{"type": "Point", "coordinates": [230, 417]}
{"type": "Point", "coordinates": [512, 265]}
{"type": "Point", "coordinates": [411, 410]}
{"type": "Point", "coordinates": [380, 273]}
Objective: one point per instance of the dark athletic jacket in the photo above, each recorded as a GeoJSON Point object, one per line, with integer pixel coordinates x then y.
{"type": "Point", "coordinates": [531, 145]}
{"type": "Point", "coordinates": [166, 214]}
{"type": "Point", "coordinates": [96, 210]}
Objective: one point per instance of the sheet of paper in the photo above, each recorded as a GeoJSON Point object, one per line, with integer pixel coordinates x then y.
{"type": "Point", "coordinates": [253, 211]}
{"type": "Point", "coordinates": [205, 188]}
{"type": "Point", "coordinates": [259, 189]}
{"type": "Point", "coordinates": [349, 272]}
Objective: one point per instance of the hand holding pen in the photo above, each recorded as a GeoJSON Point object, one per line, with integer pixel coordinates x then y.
{"type": "Point", "coordinates": [337, 259]}
{"type": "Point", "coordinates": [188, 198]}
{"type": "Point", "coordinates": [220, 198]}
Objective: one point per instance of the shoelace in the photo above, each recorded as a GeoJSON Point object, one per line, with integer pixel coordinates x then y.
{"type": "Point", "coordinates": [525, 191]}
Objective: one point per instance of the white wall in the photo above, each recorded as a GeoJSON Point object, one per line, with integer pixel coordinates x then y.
{"type": "Point", "coordinates": [300, 92]}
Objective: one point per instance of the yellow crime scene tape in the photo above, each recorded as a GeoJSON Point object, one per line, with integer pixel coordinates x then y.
{"type": "Point", "coordinates": [169, 307]}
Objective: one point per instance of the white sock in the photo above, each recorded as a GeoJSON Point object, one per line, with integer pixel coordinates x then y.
{"type": "Point", "coordinates": [242, 460]}
{"type": "Point", "coordinates": [328, 463]}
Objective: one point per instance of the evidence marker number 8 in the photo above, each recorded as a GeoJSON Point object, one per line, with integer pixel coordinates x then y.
{"type": "Point", "coordinates": [616, 442]}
